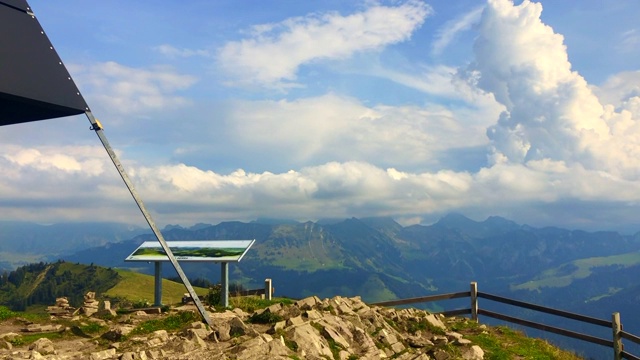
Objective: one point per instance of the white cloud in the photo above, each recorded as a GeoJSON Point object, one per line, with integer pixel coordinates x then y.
{"type": "Point", "coordinates": [172, 51]}
{"type": "Point", "coordinates": [629, 41]}
{"type": "Point", "coordinates": [620, 88]}
{"type": "Point", "coordinates": [121, 89]}
{"type": "Point", "coordinates": [272, 55]}
{"type": "Point", "coordinates": [333, 128]}
{"type": "Point", "coordinates": [68, 159]}
{"type": "Point", "coordinates": [551, 112]}
{"type": "Point", "coordinates": [558, 141]}
{"type": "Point", "coordinates": [449, 31]}
{"type": "Point", "coordinates": [187, 194]}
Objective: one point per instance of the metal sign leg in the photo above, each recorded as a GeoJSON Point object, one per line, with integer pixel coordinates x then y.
{"type": "Point", "coordinates": [224, 277]}
{"type": "Point", "coordinates": [157, 296]}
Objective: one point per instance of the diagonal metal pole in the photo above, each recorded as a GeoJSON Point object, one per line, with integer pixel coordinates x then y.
{"type": "Point", "coordinates": [97, 127]}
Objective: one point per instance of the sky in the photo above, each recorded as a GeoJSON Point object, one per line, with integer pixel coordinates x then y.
{"type": "Point", "coordinates": [237, 110]}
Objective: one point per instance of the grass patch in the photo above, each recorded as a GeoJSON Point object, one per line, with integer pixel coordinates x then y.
{"type": "Point", "coordinates": [30, 338]}
{"type": "Point", "coordinates": [292, 345]}
{"type": "Point", "coordinates": [265, 317]}
{"type": "Point", "coordinates": [170, 323]}
{"type": "Point", "coordinates": [413, 327]}
{"type": "Point", "coordinates": [503, 343]}
{"type": "Point", "coordinates": [92, 328]}
{"type": "Point", "coordinates": [252, 303]}
{"type": "Point", "coordinates": [6, 313]}
{"type": "Point", "coordinates": [335, 348]}
{"type": "Point", "coordinates": [35, 315]}
{"type": "Point", "coordinates": [137, 287]}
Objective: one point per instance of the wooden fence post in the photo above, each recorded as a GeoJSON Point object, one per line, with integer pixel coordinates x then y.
{"type": "Point", "coordinates": [617, 338]}
{"type": "Point", "coordinates": [474, 301]}
{"type": "Point", "coordinates": [268, 289]}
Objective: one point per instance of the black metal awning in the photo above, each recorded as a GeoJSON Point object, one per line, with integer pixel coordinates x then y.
{"type": "Point", "coordinates": [34, 83]}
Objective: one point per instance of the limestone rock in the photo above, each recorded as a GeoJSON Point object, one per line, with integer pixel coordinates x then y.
{"type": "Point", "coordinates": [43, 345]}
{"type": "Point", "coordinates": [117, 333]}
{"type": "Point", "coordinates": [309, 340]}
{"type": "Point", "coordinates": [340, 327]}
{"type": "Point", "coordinates": [37, 328]}
{"type": "Point", "coordinates": [10, 336]}
{"type": "Point", "coordinates": [103, 355]}
{"type": "Point", "coordinates": [308, 303]}
{"type": "Point", "coordinates": [273, 349]}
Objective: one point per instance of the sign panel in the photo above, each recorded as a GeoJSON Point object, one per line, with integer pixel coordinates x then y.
{"type": "Point", "coordinates": [193, 250]}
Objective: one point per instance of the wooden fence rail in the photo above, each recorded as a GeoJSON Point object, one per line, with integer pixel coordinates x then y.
{"type": "Point", "coordinates": [267, 291]}
{"type": "Point", "coordinates": [615, 325]}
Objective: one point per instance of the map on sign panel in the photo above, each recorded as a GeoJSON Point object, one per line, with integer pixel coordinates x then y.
{"type": "Point", "coordinates": [195, 250]}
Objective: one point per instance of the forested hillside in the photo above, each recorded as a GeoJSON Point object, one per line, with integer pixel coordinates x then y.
{"type": "Point", "coordinates": [42, 283]}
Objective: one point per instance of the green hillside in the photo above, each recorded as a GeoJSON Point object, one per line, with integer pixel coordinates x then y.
{"type": "Point", "coordinates": [138, 287]}
{"type": "Point", "coordinates": [567, 273]}
{"type": "Point", "coordinates": [42, 283]}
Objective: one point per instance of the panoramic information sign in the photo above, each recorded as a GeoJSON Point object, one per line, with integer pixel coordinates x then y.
{"type": "Point", "coordinates": [193, 250]}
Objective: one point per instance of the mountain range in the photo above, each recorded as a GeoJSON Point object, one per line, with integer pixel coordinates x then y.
{"type": "Point", "coordinates": [593, 273]}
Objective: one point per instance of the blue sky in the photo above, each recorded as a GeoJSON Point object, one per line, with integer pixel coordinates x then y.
{"type": "Point", "coordinates": [234, 110]}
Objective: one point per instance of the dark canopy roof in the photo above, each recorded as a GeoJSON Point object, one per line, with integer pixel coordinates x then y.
{"type": "Point", "coordinates": [34, 83]}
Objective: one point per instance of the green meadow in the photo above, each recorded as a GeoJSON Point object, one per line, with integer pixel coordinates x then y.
{"type": "Point", "coordinates": [565, 274]}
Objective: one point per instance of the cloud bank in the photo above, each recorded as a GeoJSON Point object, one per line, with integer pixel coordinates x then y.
{"type": "Point", "coordinates": [547, 140]}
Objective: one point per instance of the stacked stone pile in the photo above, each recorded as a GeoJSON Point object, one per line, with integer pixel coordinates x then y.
{"type": "Point", "coordinates": [61, 308]}
{"type": "Point", "coordinates": [90, 305]}
{"type": "Point", "coordinates": [336, 328]}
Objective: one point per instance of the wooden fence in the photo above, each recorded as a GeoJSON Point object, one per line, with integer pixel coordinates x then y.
{"type": "Point", "coordinates": [267, 291]}
{"type": "Point", "coordinates": [615, 325]}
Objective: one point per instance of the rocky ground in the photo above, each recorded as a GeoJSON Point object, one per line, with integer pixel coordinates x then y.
{"type": "Point", "coordinates": [336, 328]}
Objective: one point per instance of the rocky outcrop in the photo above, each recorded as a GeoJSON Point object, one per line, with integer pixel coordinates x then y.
{"type": "Point", "coordinates": [336, 328]}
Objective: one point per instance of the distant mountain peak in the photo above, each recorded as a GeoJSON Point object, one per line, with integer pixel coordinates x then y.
{"type": "Point", "coordinates": [455, 220]}
{"type": "Point", "coordinates": [497, 220]}
{"type": "Point", "coordinates": [491, 226]}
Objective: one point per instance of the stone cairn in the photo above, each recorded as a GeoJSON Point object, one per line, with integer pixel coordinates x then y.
{"type": "Point", "coordinates": [90, 305]}
{"type": "Point", "coordinates": [61, 308]}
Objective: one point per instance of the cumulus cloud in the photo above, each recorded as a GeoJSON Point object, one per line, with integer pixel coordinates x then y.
{"type": "Point", "coordinates": [620, 89]}
{"type": "Point", "coordinates": [122, 89]}
{"type": "Point", "coordinates": [67, 159]}
{"type": "Point", "coordinates": [551, 111]}
{"type": "Point", "coordinates": [50, 183]}
{"type": "Point", "coordinates": [188, 194]}
{"type": "Point", "coordinates": [273, 53]}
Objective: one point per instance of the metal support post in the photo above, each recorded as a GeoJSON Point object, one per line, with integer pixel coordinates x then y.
{"type": "Point", "coordinates": [97, 127]}
{"type": "Point", "coordinates": [474, 301]}
{"type": "Point", "coordinates": [268, 289]}
{"type": "Point", "coordinates": [617, 338]}
{"type": "Point", "coordinates": [224, 280]}
{"type": "Point", "coordinates": [157, 294]}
